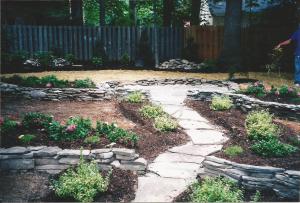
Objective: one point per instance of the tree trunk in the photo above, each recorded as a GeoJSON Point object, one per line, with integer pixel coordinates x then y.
{"type": "Point", "coordinates": [230, 57]}
{"type": "Point", "coordinates": [76, 12]}
{"type": "Point", "coordinates": [132, 11]}
{"type": "Point", "coordinates": [102, 12]}
{"type": "Point", "coordinates": [196, 4]}
{"type": "Point", "coordinates": [168, 7]}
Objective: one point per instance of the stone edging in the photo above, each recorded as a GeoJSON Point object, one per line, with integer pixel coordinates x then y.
{"type": "Point", "coordinates": [54, 159]}
{"type": "Point", "coordinates": [285, 183]}
{"type": "Point", "coordinates": [247, 103]}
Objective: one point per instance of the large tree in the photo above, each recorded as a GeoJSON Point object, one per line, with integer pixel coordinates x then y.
{"type": "Point", "coordinates": [132, 12]}
{"type": "Point", "coordinates": [76, 12]}
{"type": "Point", "coordinates": [196, 4]}
{"type": "Point", "coordinates": [230, 57]}
{"type": "Point", "coordinates": [102, 12]}
{"type": "Point", "coordinates": [168, 9]}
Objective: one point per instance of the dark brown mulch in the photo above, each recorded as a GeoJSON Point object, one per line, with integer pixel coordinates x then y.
{"type": "Point", "coordinates": [121, 189]}
{"type": "Point", "coordinates": [152, 142]}
{"type": "Point", "coordinates": [266, 195]}
{"type": "Point", "coordinates": [233, 122]}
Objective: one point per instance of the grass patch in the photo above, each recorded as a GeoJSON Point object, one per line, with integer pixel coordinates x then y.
{"type": "Point", "coordinates": [233, 151]}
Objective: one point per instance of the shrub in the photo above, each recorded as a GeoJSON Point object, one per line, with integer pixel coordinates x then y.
{"type": "Point", "coordinates": [70, 58]}
{"type": "Point", "coordinates": [92, 139]}
{"type": "Point", "coordinates": [97, 61]}
{"type": "Point", "coordinates": [33, 120]}
{"type": "Point", "coordinates": [165, 123]}
{"type": "Point", "coordinates": [259, 125]}
{"type": "Point", "coordinates": [125, 60]}
{"type": "Point", "coordinates": [45, 58]}
{"type": "Point", "coordinates": [273, 148]}
{"type": "Point", "coordinates": [56, 131]}
{"type": "Point", "coordinates": [233, 151]}
{"type": "Point", "coordinates": [216, 190]}
{"type": "Point", "coordinates": [7, 126]}
{"type": "Point", "coordinates": [86, 83]}
{"type": "Point", "coordinates": [31, 81]}
{"type": "Point", "coordinates": [220, 103]}
{"type": "Point", "coordinates": [256, 197]}
{"type": "Point", "coordinates": [135, 97]}
{"type": "Point", "coordinates": [27, 138]}
{"type": "Point", "coordinates": [151, 111]}
{"type": "Point", "coordinates": [53, 80]}
{"type": "Point", "coordinates": [114, 134]}
{"type": "Point", "coordinates": [82, 183]}
{"type": "Point", "coordinates": [258, 89]}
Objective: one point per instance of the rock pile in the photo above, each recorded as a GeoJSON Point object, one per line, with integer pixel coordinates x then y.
{"type": "Point", "coordinates": [178, 64]}
{"type": "Point", "coordinates": [54, 159]}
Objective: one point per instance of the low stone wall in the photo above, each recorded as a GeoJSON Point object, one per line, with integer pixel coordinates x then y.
{"type": "Point", "coordinates": [53, 159]}
{"type": "Point", "coordinates": [286, 183]}
{"type": "Point", "coordinates": [247, 103]}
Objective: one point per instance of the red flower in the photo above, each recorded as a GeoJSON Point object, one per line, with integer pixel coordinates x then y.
{"type": "Point", "coordinates": [71, 128]}
{"type": "Point", "coordinates": [48, 85]}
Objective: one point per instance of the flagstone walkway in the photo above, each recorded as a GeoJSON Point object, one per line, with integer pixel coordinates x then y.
{"type": "Point", "coordinates": [174, 170]}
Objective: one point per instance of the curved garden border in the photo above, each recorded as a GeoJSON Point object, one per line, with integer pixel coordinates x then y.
{"type": "Point", "coordinates": [285, 183]}
{"type": "Point", "coordinates": [246, 103]}
{"type": "Point", "coordinates": [54, 159]}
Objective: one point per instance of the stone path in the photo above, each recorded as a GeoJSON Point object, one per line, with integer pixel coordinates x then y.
{"type": "Point", "coordinates": [174, 170]}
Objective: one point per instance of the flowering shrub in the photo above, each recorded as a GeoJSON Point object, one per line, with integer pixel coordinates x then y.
{"type": "Point", "coordinates": [82, 183]}
{"type": "Point", "coordinates": [258, 89]}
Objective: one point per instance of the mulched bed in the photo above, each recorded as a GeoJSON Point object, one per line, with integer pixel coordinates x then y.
{"type": "Point", "coordinates": [121, 189]}
{"type": "Point", "coordinates": [153, 142]}
{"type": "Point", "coordinates": [266, 195]}
{"type": "Point", "coordinates": [233, 122]}
{"type": "Point", "coordinates": [34, 186]}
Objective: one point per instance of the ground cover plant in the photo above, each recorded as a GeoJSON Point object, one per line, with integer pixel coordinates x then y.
{"type": "Point", "coordinates": [135, 97]}
{"type": "Point", "coordinates": [264, 139]}
{"type": "Point", "coordinates": [48, 81]}
{"type": "Point", "coordinates": [220, 103]}
{"type": "Point", "coordinates": [283, 93]}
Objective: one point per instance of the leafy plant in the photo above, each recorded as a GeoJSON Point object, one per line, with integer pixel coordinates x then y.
{"type": "Point", "coordinates": [70, 58]}
{"type": "Point", "coordinates": [82, 183]}
{"type": "Point", "coordinates": [115, 134]}
{"type": "Point", "coordinates": [256, 197]}
{"type": "Point", "coordinates": [151, 111]}
{"type": "Point", "coordinates": [97, 61]}
{"type": "Point", "coordinates": [53, 80]}
{"type": "Point", "coordinates": [92, 139]}
{"type": "Point", "coordinates": [86, 83]}
{"type": "Point", "coordinates": [220, 103]}
{"type": "Point", "coordinates": [31, 81]}
{"type": "Point", "coordinates": [273, 148]}
{"type": "Point", "coordinates": [259, 125]}
{"type": "Point", "coordinates": [135, 97]}
{"type": "Point", "coordinates": [258, 89]}
{"type": "Point", "coordinates": [165, 124]}
{"type": "Point", "coordinates": [57, 131]}
{"type": "Point", "coordinates": [7, 126]}
{"type": "Point", "coordinates": [34, 120]}
{"type": "Point", "coordinates": [233, 151]}
{"type": "Point", "coordinates": [125, 60]}
{"type": "Point", "coordinates": [27, 138]}
{"type": "Point", "coordinates": [216, 190]}
{"type": "Point", "coordinates": [45, 58]}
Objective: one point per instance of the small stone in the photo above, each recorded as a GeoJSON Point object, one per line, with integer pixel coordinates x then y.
{"type": "Point", "coordinates": [124, 152]}
{"type": "Point", "coordinates": [37, 94]}
{"type": "Point", "coordinates": [116, 164]}
{"type": "Point", "coordinates": [70, 161]}
{"type": "Point", "coordinates": [106, 155]}
{"type": "Point", "coordinates": [100, 151]}
{"type": "Point", "coordinates": [35, 148]}
{"type": "Point", "coordinates": [73, 152]}
{"type": "Point", "coordinates": [105, 161]}
{"type": "Point", "coordinates": [17, 156]}
{"type": "Point", "coordinates": [128, 158]}
{"type": "Point", "coordinates": [104, 167]}
{"type": "Point", "coordinates": [45, 161]}
{"type": "Point", "coordinates": [52, 167]}
{"type": "Point", "coordinates": [14, 150]}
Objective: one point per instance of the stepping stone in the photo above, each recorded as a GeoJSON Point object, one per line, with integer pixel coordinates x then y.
{"type": "Point", "coordinates": [175, 170]}
{"type": "Point", "coordinates": [193, 125]}
{"type": "Point", "coordinates": [182, 158]}
{"type": "Point", "coordinates": [171, 109]}
{"type": "Point", "coordinates": [189, 114]}
{"type": "Point", "coordinates": [157, 189]}
{"type": "Point", "coordinates": [196, 150]}
{"type": "Point", "coordinates": [206, 137]}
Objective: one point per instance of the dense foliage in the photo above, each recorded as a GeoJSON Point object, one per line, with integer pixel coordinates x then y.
{"type": "Point", "coordinates": [233, 151]}
{"type": "Point", "coordinates": [38, 120]}
{"type": "Point", "coordinates": [220, 103]}
{"type": "Point", "coordinates": [135, 97]}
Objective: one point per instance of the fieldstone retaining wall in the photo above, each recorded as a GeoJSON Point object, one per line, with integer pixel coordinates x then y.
{"type": "Point", "coordinates": [247, 103]}
{"type": "Point", "coordinates": [54, 159]}
{"type": "Point", "coordinates": [286, 183]}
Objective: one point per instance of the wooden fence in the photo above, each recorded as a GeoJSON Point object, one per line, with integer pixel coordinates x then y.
{"type": "Point", "coordinates": [165, 42]}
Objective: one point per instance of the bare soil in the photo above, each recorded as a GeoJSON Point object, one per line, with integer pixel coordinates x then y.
{"type": "Point", "coordinates": [233, 121]}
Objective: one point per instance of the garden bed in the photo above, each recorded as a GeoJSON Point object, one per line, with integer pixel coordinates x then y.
{"type": "Point", "coordinates": [233, 121]}
{"type": "Point", "coordinates": [35, 187]}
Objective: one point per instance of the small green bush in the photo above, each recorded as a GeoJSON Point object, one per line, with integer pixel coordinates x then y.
{"type": "Point", "coordinates": [86, 83]}
{"type": "Point", "coordinates": [54, 81]}
{"type": "Point", "coordinates": [8, 126]}
{"type": "Point", "coordinates": [273, 148]}
{"type": "Point", "coordinates": [233, 150]}
{"type": "Point", "coordinates": [56, 131]}
{"type": "Point", "coordinates": [114, 134]}
{"type": "Point", "coordinates": [216, 190]}
{"type": "Point", "coordinates": [220, 103]}
{"type": "Point", "coordinates": [70, 58]}
{"type": "Point", "coordinates": [97, 61]}
{"type": "Point", "coordinates": [82, 183]}
{"type": "Point", "coordinates": [34, 120]}
{"type": "Point", "coordinates": [165, 124]}
{"type": "Point", "coordinates": [259, 125]}
{"type": "Point", "coordinates": [92, 139]}
{"type": "Point", "coordinates": [256, 197]}
{"type": "Point", "coordinates": [151, 111]}
{"type": "Point", "coordinates": [125, 60]}
{"type": "Point", "coordinates": [31, 81]}
{"type": "Point", "coordinates": [258, 89]}
{"type": "Point", "coordinates": [27, 138]}
{"type": "Point", "coordinates": [45, 58]}
{"type": "Point", "coordinates": [135, 97]}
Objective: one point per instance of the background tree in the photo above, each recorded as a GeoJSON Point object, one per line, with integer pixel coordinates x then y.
{"type": "Point", "coordinates": [195, 10]}
{"type": "Point", "coordinates": [168, 8]}
{"type": "Point", "coordinates": [230, 57]}
{"type": "Point", "coordinates": [76, 12]}
{"type": "Point", "coordinates": [132, 12]}
{"type": "Point", "coordinates": [102, 12]}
